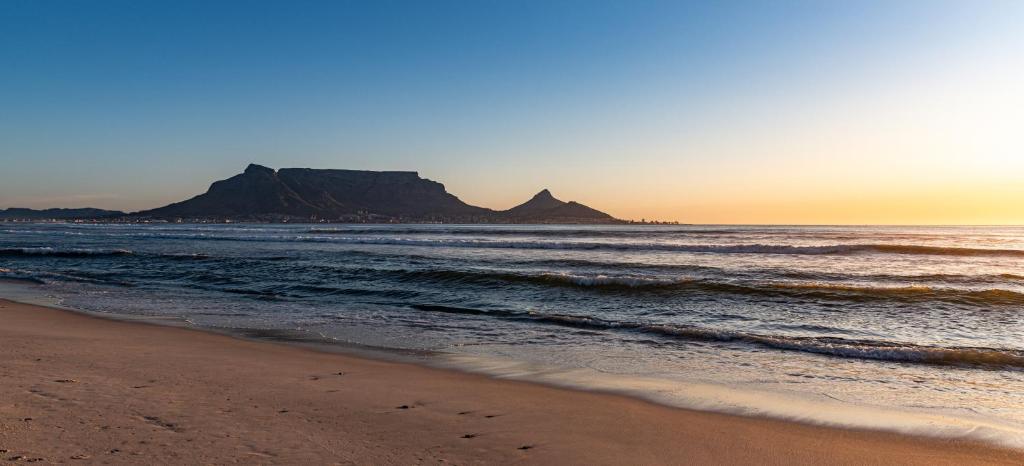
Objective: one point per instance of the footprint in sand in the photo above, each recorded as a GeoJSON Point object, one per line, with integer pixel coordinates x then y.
{"type": "Point", "coordinates": [156, 421]}
{"type": "Point", "coordinates": [43, 394]}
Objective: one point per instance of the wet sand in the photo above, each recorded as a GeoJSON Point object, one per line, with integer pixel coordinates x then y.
{"type": "Point", "coordinates": [81, 389]}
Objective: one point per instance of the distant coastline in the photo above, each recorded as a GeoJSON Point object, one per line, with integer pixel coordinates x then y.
{"type": "Point", "coordinates": [304, 195]}
{"type": "Point", "coordinates": [131, 219]}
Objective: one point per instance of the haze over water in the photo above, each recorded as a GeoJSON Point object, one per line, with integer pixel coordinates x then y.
{"type": "Point", "coordinates": [921, 318]}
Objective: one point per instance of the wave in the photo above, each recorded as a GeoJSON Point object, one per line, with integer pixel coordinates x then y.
{"type": "Point", "coordinates": [97, 253]}
{"type": "Point", "coordinates": [929, 279]}
{"type": "Point", "coordinates": [59, 252]}
{"type": "Point", "coordinates": [46, 277]}
{"type": "Point", "coordinates": [197, 256]}
{"type": "Point", "coordinates": [837, 249]}
{"type": "Point", "coordinates": [768, 273]}
{"type": "Point", "coordinates": [640, 284]}
{"type": "Point", "coordinates": [976, 357]}
{"type": "Point", "coordinates": [322, 280]}
{"type": "Point", "coordinates": [532, 232]}
{"type": "Point", "coordinates": [17, 275]}
{"type": "Point", "coordinates": [993, 296]}
{"type": "Point", "coordinates": [487, 277]}
{"type": "Point", "coordinates": [696, 281]}
{"type": "Point", "coordinates": [941, 250]}
{"type": "Point", "coordinates": [991, 358]}
{"type": "Point", "coordinates": [356, 236]}
{"type": "Point", "coordinates": [613, 281]}
{"type": "Point", "coordinates": [641, 232]}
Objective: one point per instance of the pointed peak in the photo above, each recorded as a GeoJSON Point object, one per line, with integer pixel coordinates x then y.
{"type": "Point", "coordinates": [540, 201]}
{"type": "Point", "coordinates": [254, 168]}
{"type": "Point", "coordinates": [544, 194]}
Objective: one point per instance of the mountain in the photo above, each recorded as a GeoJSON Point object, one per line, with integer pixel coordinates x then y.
{"type": "Point", "coordinates": [262, 193]}
{"type": "Point", "coordinates": [305, 194]}
{"type": "Point", "coordinates": [544, 208]}
{"type": "Point", "coordinates": [15, 213]}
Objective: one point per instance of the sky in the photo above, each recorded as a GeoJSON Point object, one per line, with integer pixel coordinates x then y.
{"type": "Point", "coordinates": [859, 112]}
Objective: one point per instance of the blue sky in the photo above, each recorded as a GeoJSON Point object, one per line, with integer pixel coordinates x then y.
{"type": "Point", "coordinates": [130, 105]}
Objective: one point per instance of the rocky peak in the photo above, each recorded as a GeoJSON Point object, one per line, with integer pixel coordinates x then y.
{"type": "Point", "coordinates": [540, 201]}
{"type": "Point", "coordinates": [544, 206]}
{"type": "Point", "coordinates": [543, 195]}
{"type": "Point", "coordinates": [254, 168]}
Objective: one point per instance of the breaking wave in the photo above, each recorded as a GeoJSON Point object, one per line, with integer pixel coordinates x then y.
{"type": "Point", "coordinates": [824, 291]}
{"type": "Point", "coordinates": [58, 252]}
{"type": "Point", "coordinates": [359, 237]}
{"type": "Point", "coordinates": [838, 249]}
{"type": "Point", "coordinates": [976, 357]}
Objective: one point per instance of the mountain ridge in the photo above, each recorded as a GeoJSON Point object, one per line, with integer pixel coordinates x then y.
{"type": "Point", "coordinates": [261, 193]}
{"type": "Point", "coordinates": [21, 213]}
{"type": "Point", "coordinates": [544, 205]}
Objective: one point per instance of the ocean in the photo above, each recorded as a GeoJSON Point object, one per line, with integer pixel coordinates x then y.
{"type": "Point", "coordinates": [838, 325]}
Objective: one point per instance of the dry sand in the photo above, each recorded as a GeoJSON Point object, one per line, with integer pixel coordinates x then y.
{"type": "Point", "coordinates": [81, 389]}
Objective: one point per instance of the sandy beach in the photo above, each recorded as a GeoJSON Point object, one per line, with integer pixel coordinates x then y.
{"type": "Point", "coordinates": [77, 388]}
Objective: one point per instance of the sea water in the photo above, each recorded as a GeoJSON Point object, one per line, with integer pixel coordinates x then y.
{"type": "Point", "coordinates": [827, 324]}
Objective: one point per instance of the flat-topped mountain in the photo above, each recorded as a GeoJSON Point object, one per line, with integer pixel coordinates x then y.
{"type": "Point", "coordinates": [305, 194]}
{"type": "Point", "coordinates": [17, 213]}
{"type": "Point", "coordinates": [322, 194]}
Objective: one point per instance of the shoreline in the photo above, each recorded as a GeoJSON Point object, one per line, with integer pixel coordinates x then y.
{"type": "Point", "coordinates": [705, 397]}
{"type": "Point", "coordinates": [113, 390]}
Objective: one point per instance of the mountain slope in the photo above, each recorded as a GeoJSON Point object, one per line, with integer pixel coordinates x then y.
{"type": "Point", "coordinates": [305, 194]}
{"type": "Point", "coordinates": [545, 208]}
{"type": "Point", "coordinates": [257, 191]}
{"type": "Point", "coordinates": [383, 193]}
{"type": "Point", "coordinates": [540, 202]}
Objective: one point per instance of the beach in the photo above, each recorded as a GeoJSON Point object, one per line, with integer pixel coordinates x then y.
{"type": "Point", "coordinates": [784, 233]}
{"type": "Point", "coordinates": [76, 387]}
{"type": "Point", "coordinates": [832, 325]}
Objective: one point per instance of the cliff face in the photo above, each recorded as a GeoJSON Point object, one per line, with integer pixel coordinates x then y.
{"type": "Point", "coordinates": [296, 194]}
{"type": "Point", "coordinates": [384, 193]}
{"type": "Point", "coordinates": [256, 191]}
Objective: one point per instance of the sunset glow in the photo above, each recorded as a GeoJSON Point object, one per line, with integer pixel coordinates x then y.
{"type": "Point", "coordinates": [800, 113]}
{"type": "Point", "coordinates": [543, 232]}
